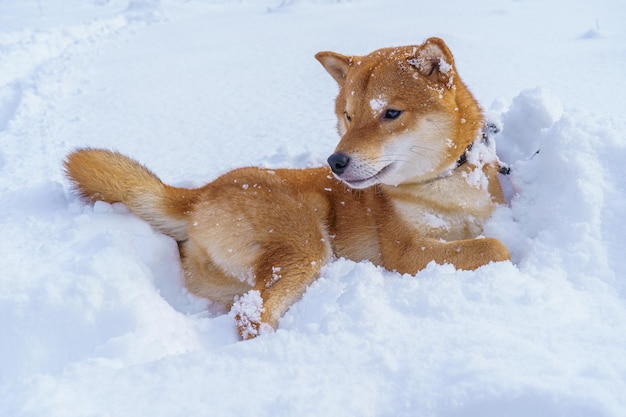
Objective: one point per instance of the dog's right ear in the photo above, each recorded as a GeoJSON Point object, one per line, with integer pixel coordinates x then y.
{"type": "Point", "coordinates": [434, 60]}
{"type": "Point", "coordinates": [336, 64]}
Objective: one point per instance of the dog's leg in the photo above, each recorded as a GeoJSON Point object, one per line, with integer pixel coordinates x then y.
{"type": "Point", "coordinates": [282, 276]}
{"type": "Point", "coordinates": [472, 253]}
{"type": "Point", "coordinates": [411, 257]}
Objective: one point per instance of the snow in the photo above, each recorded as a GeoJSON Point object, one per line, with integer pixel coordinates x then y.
{"type": "Point", "coordinates": [377, 104]}
{"type": "Point", "coordinates": [94, 320]}
{"type": "Point", "coordinates": [246, 311]}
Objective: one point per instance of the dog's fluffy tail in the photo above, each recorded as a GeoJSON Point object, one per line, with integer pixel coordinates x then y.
{"type": "Point", "coordinates": [99, 174]}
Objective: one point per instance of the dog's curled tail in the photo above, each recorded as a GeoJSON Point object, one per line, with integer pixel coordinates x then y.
{"type": "Point", "coordinates": [99, 174]}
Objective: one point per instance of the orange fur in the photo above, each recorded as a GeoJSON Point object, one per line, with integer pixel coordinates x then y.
{"type": "Point", "coordinates": [396, 196]}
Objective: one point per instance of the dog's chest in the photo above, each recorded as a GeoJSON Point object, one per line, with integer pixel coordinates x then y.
{"type": "Point", "coordinates": [448, 208]}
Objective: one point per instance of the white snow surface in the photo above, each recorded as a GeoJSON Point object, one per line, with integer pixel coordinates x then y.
{"type": "Point", "coordinates": [94, 320]}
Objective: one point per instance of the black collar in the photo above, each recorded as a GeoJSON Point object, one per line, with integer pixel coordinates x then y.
{"type": "Point", "coordinates": [463, 158]}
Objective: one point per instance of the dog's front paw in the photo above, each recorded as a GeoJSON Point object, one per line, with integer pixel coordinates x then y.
{"type": "Point", "coordinates": [246, 311]}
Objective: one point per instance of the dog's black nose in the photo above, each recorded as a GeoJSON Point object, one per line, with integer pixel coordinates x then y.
{"type": "Point", "coordinates": [338, 162]}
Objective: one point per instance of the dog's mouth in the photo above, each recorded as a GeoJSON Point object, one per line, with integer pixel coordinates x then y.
{"type": "Point", "coordinates": [368, 181]}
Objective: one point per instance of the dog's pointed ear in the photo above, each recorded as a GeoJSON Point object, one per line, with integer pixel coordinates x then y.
{"type": "Point", "coordinates": [336, 64]}
{"type": "Point", "coordinates": [434, 60]}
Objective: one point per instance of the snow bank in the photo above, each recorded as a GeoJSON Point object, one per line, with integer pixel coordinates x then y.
{"type": "Point", "coordinates": [94, 320]}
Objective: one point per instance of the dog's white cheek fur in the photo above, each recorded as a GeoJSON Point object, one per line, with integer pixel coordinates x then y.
{"type": "Point", "coordinates": [417, 160]}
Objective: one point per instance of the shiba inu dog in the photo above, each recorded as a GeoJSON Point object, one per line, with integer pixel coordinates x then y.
{"type": "Point", "coordinates": [411, 181]}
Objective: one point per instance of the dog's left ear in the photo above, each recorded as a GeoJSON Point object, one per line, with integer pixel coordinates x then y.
{"type": "Point", "coordinates": [336, 64]}
{"type": "Point", "coordinates": [434, 60]}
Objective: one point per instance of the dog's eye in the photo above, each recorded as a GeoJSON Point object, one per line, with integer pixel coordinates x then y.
{"type": "Point", "coordinates": [391, 114]}
{"type": "Point", "coordinates": [348, 118]}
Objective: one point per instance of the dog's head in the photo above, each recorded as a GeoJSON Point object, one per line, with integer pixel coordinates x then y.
{"type": "Point", "coordinates": [404, 115]}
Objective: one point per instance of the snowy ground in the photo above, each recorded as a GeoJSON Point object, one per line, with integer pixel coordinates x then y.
{"type": "Point", "coordinates": [94, 320]}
